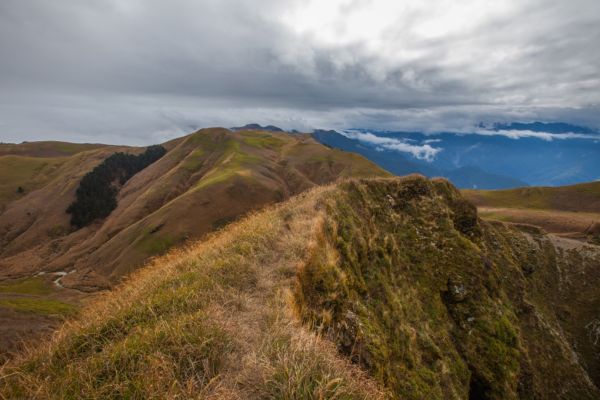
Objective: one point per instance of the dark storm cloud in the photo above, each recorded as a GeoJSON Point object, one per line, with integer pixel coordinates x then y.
{"type": "Point", "coordinates": [140, 71]}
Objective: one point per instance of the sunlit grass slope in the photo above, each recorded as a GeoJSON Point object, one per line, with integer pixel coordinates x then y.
{"type": "Point", "coordinates": [568, 210]}
{"type": "Point", "coordinates": [209, 321]}
{"type": "Point", "coordinates": [584, 197]}
{"type": "Point", "coordinates": [364, 289]}
{"type": "Point", "coordinates": [31, 165]}
{"type": "Point", "coordinates": [205, 180]}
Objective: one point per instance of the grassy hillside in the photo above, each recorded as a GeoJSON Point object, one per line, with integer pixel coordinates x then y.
{"type": "Point", "coordinates": [20, 175]}
{"type": "Point", "coordinates": [438, 304]}
{"type": "Point", "coordinates": [208, 321]}
{"type": "Point", "coordinates": [46, 149]}
{"type": "Point", "coordinates": [568, 210]}
{"type": "Point", "coordinates": [583, 197]}
{"type": "Point", "coordinates": [206, 180]}
{"type": "Point", "coordinates": [30, 166]}
{"type": "Point", "coordinates": [394, 277]}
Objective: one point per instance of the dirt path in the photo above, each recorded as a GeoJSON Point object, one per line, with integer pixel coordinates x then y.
{"type": "Point", "coordinates": [267, 333]}
{"type": "Point", "coordinates": [22, 315]}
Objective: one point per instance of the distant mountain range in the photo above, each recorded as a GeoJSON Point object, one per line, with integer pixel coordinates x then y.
{"type": "Point", "coordinates": [499, 156]}
{"type": "Point", "coordinates": [257, 127]}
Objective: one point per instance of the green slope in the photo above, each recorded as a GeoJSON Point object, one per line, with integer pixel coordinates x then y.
{"type": "Point", "coordinates": [583, 197]}
{"type": "Point", "coordinates": [396, 276]}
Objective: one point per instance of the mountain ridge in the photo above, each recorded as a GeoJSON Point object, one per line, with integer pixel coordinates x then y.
{"type": "Point", "coordinates": [204, 181]}
{"type": "Point", "coordinates": [210, 157]}
{"type": "Point", "coordinates": [477, 309]}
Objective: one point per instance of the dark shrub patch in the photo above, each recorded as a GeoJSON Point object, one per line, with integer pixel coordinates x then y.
{"type": "Point", "coordinates": [97, 192]}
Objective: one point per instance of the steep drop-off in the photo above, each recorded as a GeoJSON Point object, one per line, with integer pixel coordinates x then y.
{"type": "Point", "coordinates": [399, 276]}
{"type": "Point", "coordinates": [439, 304]}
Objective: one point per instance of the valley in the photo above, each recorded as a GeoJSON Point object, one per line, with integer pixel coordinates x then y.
{"type": "Point", "coordinates": [299, 200]}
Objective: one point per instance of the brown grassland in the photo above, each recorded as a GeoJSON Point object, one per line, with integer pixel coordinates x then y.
{"type": "Point", "coordinates": [363, 289]}
{"type": "Point", "coordinates": [212, 320]}
{"type": "Point", "coordinates": [570, 211]}
{"type": "Point", "coordinates": [206, 180]}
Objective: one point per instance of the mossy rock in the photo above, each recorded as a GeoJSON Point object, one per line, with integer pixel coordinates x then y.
{"type": "Point", "coordinates": [593, 233]}
{"type": "Point", "coordinates": [412, 285]}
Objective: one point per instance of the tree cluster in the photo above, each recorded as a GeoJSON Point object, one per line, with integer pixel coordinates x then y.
{"type": "Point", "coordinates": [96, 195]}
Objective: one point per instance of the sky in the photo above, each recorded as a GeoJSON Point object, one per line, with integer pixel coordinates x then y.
{"type": "Point", "coordinates": [144, 71]}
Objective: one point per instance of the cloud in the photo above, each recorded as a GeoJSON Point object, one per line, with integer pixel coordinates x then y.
{"type": "Point", "coordinates": [136, 71]}
{"type": "Point", "coordinates": [518, 134]}
{"type": "Point", "coordinates": [422, 152]}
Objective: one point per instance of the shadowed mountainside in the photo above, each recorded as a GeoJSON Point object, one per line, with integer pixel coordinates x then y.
{"type": "Point", "coordinates": [399, 277]}
{"type": "Point", "coordinates": [467, 176]}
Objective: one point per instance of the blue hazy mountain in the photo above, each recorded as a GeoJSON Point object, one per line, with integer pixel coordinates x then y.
{"type": "Point", "coordinates": [270, 128]}
{"type": "Point", "coordinates": [496, 157]}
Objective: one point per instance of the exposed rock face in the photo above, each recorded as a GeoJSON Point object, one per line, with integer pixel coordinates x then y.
{"type": "Point", "coordinates": [438, 304]}
{"type": "Point", "coordinates": [456, 293]}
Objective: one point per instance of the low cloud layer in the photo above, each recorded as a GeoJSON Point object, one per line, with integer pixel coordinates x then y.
{"type": "Point", "coordinates": [548, 136]}
{"type": "Point", "coordinates": [420, 151]}
{"type": "Point", "coordinates": [133, 71]}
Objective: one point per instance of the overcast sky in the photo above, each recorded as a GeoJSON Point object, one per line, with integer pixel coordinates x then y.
{"type": "Point", "coordinates": [142, 71]}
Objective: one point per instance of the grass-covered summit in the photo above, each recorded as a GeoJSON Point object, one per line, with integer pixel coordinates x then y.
{"type": "Point", "coordinates": [359, 290]}
{"type": "Point", "coordinates": [128, 214]}
{"type": "Point", "coordinates": [135, 203]}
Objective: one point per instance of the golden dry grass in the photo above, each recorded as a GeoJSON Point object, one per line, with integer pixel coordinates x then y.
{"type": "Point", "coordinates": [552, 221]}
{"type": "Point", "coordinates": [213, 320]}
{"type": "Point", "coordinates": [583, 197]}
{"type": "Point", "coordinates": [398, 274]}
{"type": "Point", "coordinates": [566, 210]}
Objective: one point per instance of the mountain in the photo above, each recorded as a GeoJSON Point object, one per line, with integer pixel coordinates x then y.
{"type": "Point", "coordinates": [369, 288]}
{"type": "Point", "coordinates": [503, 156]}
{"type": "Point", "coordinates": [393, 161]}
{"type": "Point", "coordinates": [257, 127]}
{"type": "Point", "coordinates": [475, 177]}
{"type": "Point", "coordinates": [204, 181]}
{"type": "Point", "coordinates": [32, 165]}
{"type": "Point", "coordinates": [390, 161]}
{"type": "Point", "coordinates": [572, 211]}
